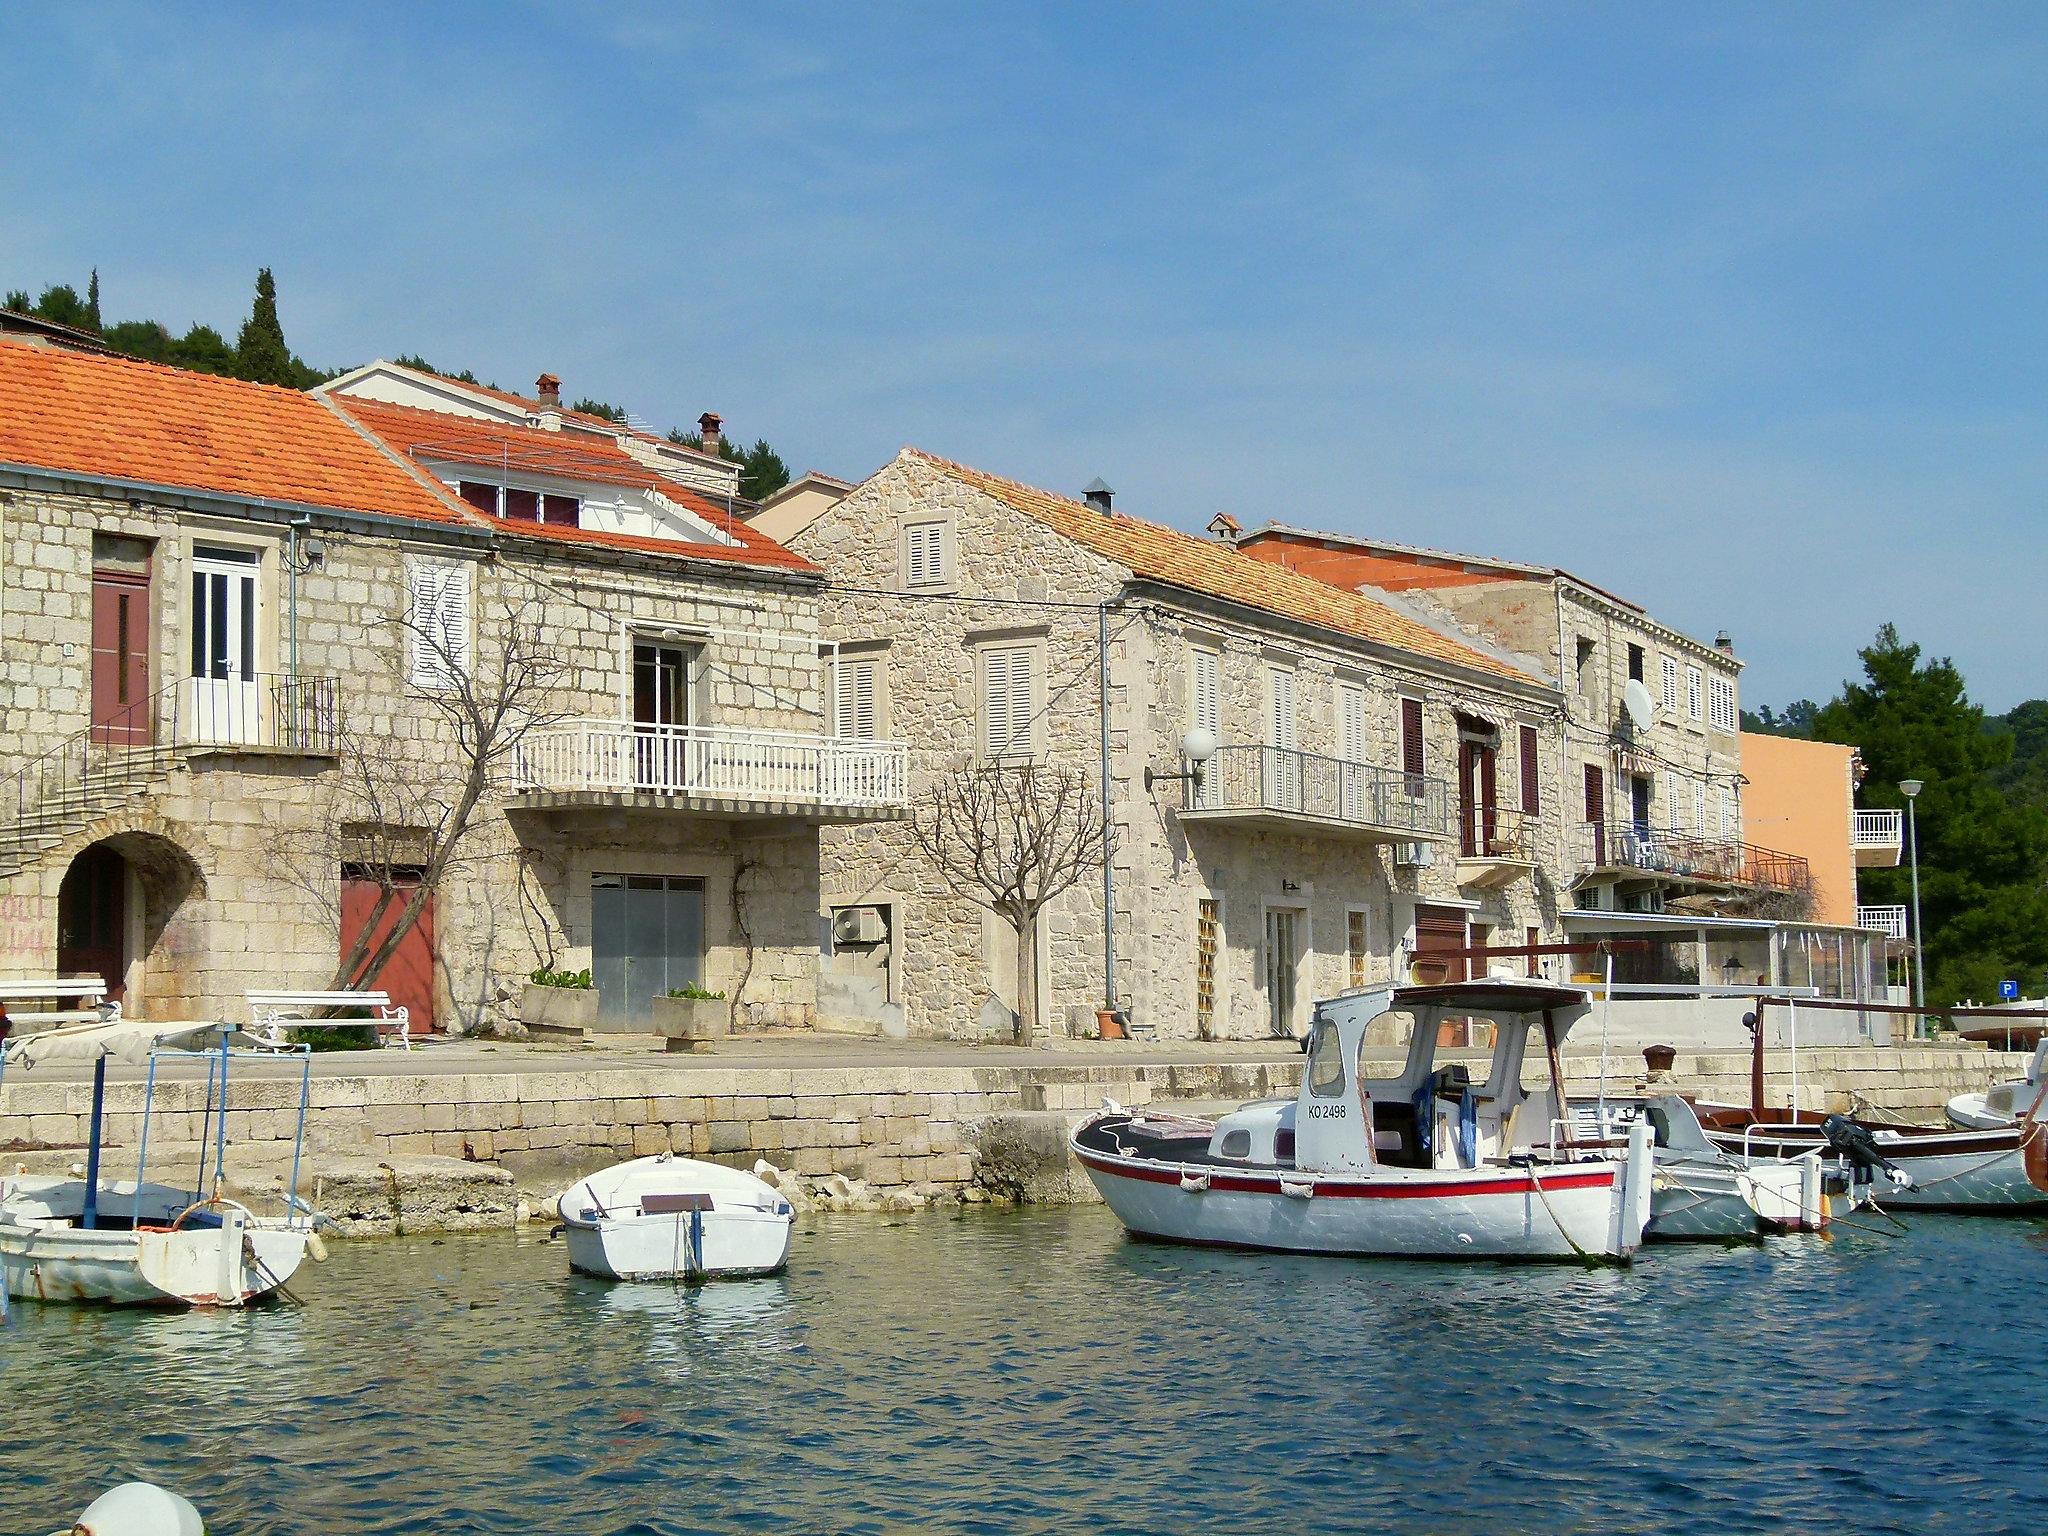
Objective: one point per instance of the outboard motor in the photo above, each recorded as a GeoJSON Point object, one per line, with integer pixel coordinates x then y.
{"type": "Point", "coordinates": [1858, 1148]}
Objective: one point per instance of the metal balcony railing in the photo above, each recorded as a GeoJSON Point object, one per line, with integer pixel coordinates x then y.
{"type": "Point", "coordinates": [1878, 829]}
{"type": "Point", "coordinates": [1684, 856]}
{"type": "Point", "coordinates": [626, 756]}
{"type": "Point", "coordinates": [1889, 921]}
{"type": "Point", "coordinates": [1288, 781]}
{"type": "Point", "coordinates": [1496, 832]}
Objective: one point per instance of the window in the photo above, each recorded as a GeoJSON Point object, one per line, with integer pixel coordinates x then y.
{"type": "Point", "coordinates": [1208, 938]}
{"type": "Point", "coordinates": [856, 697]}
{"type": "Point", "coordinates": [1414, 760]}
{"type": "Point", "coordinates": [521, 506]}
{"type": "Point", "coordinates": [1596, 793]}
{"type": "Point", "coordinates": [1351, 722]}
{"type": "Point", "coordinates": [437, 623]}
{"type": "Point", "coordinates": [1356, 948]}
{"type": "Point", "coordinates": [1721, 713]}
{"type": "Point", "coordinates": [1236, 1143]}
{"type": "Point", "coordinates": [1670, 664]}
{"type": "Point", "coordinates": [483, 497]}
{"type": "Point", "coordinates": [1007, 704]}
{"type": "Point", "coordinates": [1326, 1063]}
{"type": "Point", "coordinates": [1532, 786]}
{"type": "Point", "coordinates": [1582, 667]}
{"type": "Point", "coordinates": [1205, 688]}
{"type": "Point", "coordinates": [1280, 717]}
{"type": "Point", "coordinates": [924, 554]}
{"type": "Point", "coordinates": [1699, 807]}
{"type": "Point", "coordinates": [1693, 679]}
{"type": "Point", "coordinates": [1635, 663]}
{"type": "Point", "coordinates": [1673, 800]}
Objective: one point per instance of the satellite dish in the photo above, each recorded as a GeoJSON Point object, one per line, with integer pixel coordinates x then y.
{"type": "Point", "coordinates": [1635, 698]}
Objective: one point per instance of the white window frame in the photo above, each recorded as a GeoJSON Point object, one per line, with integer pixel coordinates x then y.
{"type": "Point", "coordinates": [426, 666]}
{"type": "Point", "coordinates": [1695, 693]}
{"type": "Point", "coordinates": [1031, 655]}
{"type": "Point", "coordinates": [940, 574]}
{"type": "Point", "coordinates": [1721, 712]}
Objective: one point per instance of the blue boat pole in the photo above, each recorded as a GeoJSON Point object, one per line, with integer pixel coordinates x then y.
{"type": "Point", "coordinates": [142, 1152]}
{"type": "Point", "coordinates": [205, 1136]}
{"type": "Point", "coordinates": [299, 1136]}
{"type": "Point", "coordinates": [220, 1155]}
{"type": "Point", "coordinates": [90, 1218]}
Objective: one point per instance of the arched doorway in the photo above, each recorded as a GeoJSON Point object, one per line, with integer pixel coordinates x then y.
{"type": "Point", "coordinates": [92, 918]}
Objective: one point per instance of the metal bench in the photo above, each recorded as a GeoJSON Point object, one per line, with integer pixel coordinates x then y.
{"type": "Point", "coordinates": [272, 1013]}
{"type": "Point", "coordinates": [90, 992]}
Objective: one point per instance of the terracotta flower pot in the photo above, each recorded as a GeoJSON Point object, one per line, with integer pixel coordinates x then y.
{"type": "Point", "coordinates": [1108, 1026]}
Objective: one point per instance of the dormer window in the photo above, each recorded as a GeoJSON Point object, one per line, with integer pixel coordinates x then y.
{"type": "Point", "coordinates": [520, 505]}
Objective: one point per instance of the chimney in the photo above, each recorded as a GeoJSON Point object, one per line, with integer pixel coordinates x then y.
{"type": "Point", "coordinates": [1098, 496]}
{"type": "Point", "coordinates": [1723, 644]}
{"type": "Point", "coordinates": [1224, 528]}
{"type": "Point", "coordinates": [549, 388]}
{"type": "Point", "coordinates": [708, 427]}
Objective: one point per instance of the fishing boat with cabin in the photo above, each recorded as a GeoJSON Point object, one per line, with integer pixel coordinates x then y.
{"type": "Point", "coordinates": [1428, 1163]}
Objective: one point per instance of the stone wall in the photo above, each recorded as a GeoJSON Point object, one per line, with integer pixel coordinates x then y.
{"type": "Point", "coordinates": [236, 853]}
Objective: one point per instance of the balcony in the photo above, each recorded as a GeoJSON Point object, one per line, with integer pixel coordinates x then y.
{"type": "Point", "coordinates": [1889, 921]}
{"type": "Point", "coordinates": [712, 771]}
{"type": "Point", "coordinates": [1682, 858]}
{"type": "Point", "coordinates": [1876, 838]}
{"type": "Point", "coordinates": [1496, 846]}
{"type": "Point", "coordinates": [1283, 789]}
{"type": "Point", "coordinates": [256, 712]}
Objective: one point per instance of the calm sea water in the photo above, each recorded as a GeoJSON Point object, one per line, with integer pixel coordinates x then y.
{"type": "Point", "coordinates": [1027, 1371]}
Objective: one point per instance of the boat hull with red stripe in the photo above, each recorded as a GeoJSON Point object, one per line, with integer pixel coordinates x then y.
{"type": "Point", "coordinates": [1568, 1211]}
{"type": "Point", "coordinates": [1951, 1168]}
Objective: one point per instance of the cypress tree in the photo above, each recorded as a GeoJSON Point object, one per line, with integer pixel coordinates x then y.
{"type": "Point", "coordinates": [92, 299]}
{"type": "Point", "coordinates": [260, 352]}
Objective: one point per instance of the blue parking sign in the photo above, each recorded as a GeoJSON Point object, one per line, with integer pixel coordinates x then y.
{"type": "Point", "coordinates": [2008, 991]}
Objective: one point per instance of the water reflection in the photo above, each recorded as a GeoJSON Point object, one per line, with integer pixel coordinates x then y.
{"type": "Point", "coordinates": [1034, 1371]}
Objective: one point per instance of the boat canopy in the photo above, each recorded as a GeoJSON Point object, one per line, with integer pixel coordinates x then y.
{"type": "Point", "coordinates": [126, 1040]}
{"type": "Point", "coordinates": [1493, 995]}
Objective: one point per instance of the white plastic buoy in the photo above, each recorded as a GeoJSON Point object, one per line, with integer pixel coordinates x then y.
{"type": "Point", "coordinates": [139, 1509]}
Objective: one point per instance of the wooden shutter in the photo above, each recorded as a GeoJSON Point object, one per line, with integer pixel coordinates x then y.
{"type": "Point", "coordinates": [1006, 700]}
{"type": "Point", "coordinates": [1205, 669]}
{"type": "Point", "coordinates": [925, 554]}
{"type": "Point", "coordinates": [1413, 760]}
{"type": "Point", "coordinates": [1596, 793]}
{"type": "Point", "coordinates": [1280, 721]}
{"type": "Point", "coordinates": [1532, 786]}
{"type": "Point", "coordinates": [1693, 681]}
{"type": "Point", "coordinates": [439, 623]}
{"type": "Point", "coordinates": [1699, 808]}
{"type": "Point", "coordinates": [1351, 721]}
{"type": "Point", "coordinates": [855, 710]}
{"type": "Point", "coordinates": [1671, 685]}
{"type": "Point", "coordinates": [1439, 928]}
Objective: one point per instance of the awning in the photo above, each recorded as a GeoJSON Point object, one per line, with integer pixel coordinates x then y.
{"type": "Point", "coordinates": [126, 1040]}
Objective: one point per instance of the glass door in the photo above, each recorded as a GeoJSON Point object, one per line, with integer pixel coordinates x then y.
{"type": "Point", "coordinates": [1283, 962]}
{"type": "Point", "coordinates": [661, 717]}
{"type": "Point", "coordinates": [223, 703]}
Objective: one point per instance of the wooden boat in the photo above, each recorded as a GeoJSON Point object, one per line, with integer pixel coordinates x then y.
{"type": "Point", "coordinates": [2002, 1103]}
{"type": "Point", "coordinates": [1923, 1166]}
{"type": "Point", "coordinates": [132, 1242]}
{"type": "Point", "coordinates": [675, 1218]}
{"type": "Point", "coordinates": [1425, 1164]}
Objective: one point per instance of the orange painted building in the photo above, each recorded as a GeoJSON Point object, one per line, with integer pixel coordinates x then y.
{"type": "Point", "coordinates": [1801, 797]}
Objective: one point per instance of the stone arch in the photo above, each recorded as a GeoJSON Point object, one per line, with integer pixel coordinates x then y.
{"type": "Point", "coordinates": [158, 887]}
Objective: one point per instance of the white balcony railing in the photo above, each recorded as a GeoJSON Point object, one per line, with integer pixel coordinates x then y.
{"type": "Point", "coordinates": [1878, 829]}
{"type": "Point", "coordinates": [1889, 921]}
{"type": "Point", "coordinates": [712, 762]}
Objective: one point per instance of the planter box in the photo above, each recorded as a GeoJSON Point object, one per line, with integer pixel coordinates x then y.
{"type": "Point", "coordinates": [692, 1023]}
{"type": "Point", "coordinates": [560, 1011]}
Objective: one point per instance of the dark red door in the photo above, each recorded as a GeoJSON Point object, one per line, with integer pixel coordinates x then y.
{"type": "Point", "coordinates": [92, 919]}
{"type": "Point", "coordinates": [120, 657]}
{"type": "Point", "coordinates": [409, 974]}
{"type": "Point", "coordinates": [1596, 810]}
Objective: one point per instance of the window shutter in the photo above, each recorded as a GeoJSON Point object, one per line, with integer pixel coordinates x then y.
{"type": "Point", "coordinates": [1693, 679]}
{"type": "Point", "coordinates": [1006, 700]}
{"type": "Point", "coordinates": [1670, 685]}
{"type": "Point", "coordinates": [1207, 691]}
{"type": "Point", "coordinates": [855, 712]}
{"type": "Point", "coordinates": [924, 554]}
{"type": "Point", "coordinates": [1351, 708]}
{"type": "Point", "coordinates": [1413, 759]}
{"type": "Point", "coordinates": [1699, 808]}
{"type": "Point", "coordinates": [1532, 787]}
{"type": "Point", "coordinates": [1280, 719]}
{"type": "Point", "coordinates": [440, 624]}
{"type": "Point", "coordinates": [1596, 793]}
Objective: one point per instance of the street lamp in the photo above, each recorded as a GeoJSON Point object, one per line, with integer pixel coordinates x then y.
{"type": "Point", "coordinates": [1911, 788]}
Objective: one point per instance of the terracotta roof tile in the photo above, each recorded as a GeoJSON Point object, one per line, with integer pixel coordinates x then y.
{"type": "Point", "coordinates": [1158, 553]}
{"type": "Point", "coordinates": [115, 418]}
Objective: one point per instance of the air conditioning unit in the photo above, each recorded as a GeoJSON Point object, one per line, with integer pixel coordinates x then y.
{"type": "Point", "coordinates": [1414, 855]}
{"type": "Point", "coordinates": [1644, 901]}
{"type": "Point", "coordinates": [859, 925]}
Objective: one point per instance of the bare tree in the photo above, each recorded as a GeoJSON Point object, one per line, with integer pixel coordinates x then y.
{"type": "Point", "coordinates": [406, 809]}
{"type": "Point", "coordinates": [1013, 837]}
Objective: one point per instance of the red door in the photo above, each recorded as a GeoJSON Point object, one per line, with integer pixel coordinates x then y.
{"type": "Point", "coordinates": [409, 974]}
{"type": "Point", "coordinates": [92, 919]}
{"type": "Point", "coordinates": [120, 657]}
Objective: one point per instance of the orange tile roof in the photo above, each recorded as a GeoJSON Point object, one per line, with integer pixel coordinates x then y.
{"type": "Point", "coordinates": [115, 418]}
{"type": "Point", "coordinates": [534, 405]}
{"type": "Point", "coordinates": [442, 437]}
{"type": "Point", "coordinates": [1158, 553]}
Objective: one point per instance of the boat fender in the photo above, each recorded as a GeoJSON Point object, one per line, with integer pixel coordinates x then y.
{"type": "Point", "coordinates": [1297, 1188]}
{"type": "Point", "coordinates": [316, 1249]}
{"type": "Point", "coordinates": [1857, 1145]}
{"type": "Point", "coordinates": [1194, 1180]}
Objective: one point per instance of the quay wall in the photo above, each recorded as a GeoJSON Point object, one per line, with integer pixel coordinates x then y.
{"type": "Point", "coordinates": [888, 1125]}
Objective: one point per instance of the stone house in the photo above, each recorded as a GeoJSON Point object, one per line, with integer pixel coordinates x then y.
{"type": "Point", "coordinates": [1383, 783]}
{"type": "Point", "coordinates": [238, 626]}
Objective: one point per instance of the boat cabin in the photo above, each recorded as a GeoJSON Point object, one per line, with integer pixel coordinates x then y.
{"type": "Point", "coordinates": [1432, 1113]}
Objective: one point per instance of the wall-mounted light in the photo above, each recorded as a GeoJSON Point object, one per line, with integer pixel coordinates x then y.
{"type": "Point", "coordinates": [1196, 748]}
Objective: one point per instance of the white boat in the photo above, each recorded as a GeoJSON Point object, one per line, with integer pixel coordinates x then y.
{"type": "Point", "coordinates": [675, 1218]}
{"type": "Point", "coordinates": [1426, 1164]}
{"type": "Point", "coordinates": [1700, 1191]}
{"type": "Point", "coordinates": [131, 1242]}
{"type": "Point", "coordinates": [2002, 1103]}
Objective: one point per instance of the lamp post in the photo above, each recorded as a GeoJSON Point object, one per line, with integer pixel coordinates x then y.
{"type": "Point", "coordinates": [1911, 788]}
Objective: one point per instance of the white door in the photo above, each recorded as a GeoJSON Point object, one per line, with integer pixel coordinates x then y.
{"type": "Point", "coordinates": [224, 697]}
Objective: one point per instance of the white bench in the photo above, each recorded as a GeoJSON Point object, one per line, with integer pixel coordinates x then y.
{"type": "Point", "coordinates": [272, 1013]}
{"type": "Point", "coordinates": [90, 994]}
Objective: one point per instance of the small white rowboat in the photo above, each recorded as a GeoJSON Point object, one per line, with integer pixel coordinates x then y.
{"type": "Point", "coordinates": [674, 1218]}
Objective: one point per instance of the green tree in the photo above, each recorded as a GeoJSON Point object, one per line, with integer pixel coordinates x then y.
{"type": "Point", "coordinates": [1797, 720]}
{"type": "Point", "coordinates": [762, 472]}
{"type": "Point", "coordinates": [205, 350]}
{"type": "Point", "coordinates": [18, 300]}
{"type": "Point", "coordinates": [1983, 852]}
{"type": "Point", "coordinates": [92, 298]}
{"type": "Point", "coordinates": [61, 305]}
{"type": "Point", "coordinates": [591, 407]}
{"type": "Point", "coordinates": [260, 352]}
{"type": "Point", "coordinates": [415, 361]}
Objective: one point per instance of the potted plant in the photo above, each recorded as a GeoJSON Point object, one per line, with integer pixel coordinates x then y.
{"type": "Point", "coordinates": [692, 1018]}
{"type": "Point", "coordinates": [562, 1002]}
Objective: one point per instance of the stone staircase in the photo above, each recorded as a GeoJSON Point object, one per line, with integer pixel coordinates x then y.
{"type": "Point", "coordinates": [66, 791]}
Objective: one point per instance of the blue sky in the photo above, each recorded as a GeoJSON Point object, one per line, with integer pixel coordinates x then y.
{"type": "Point", "coordinates": [1737, 311]}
